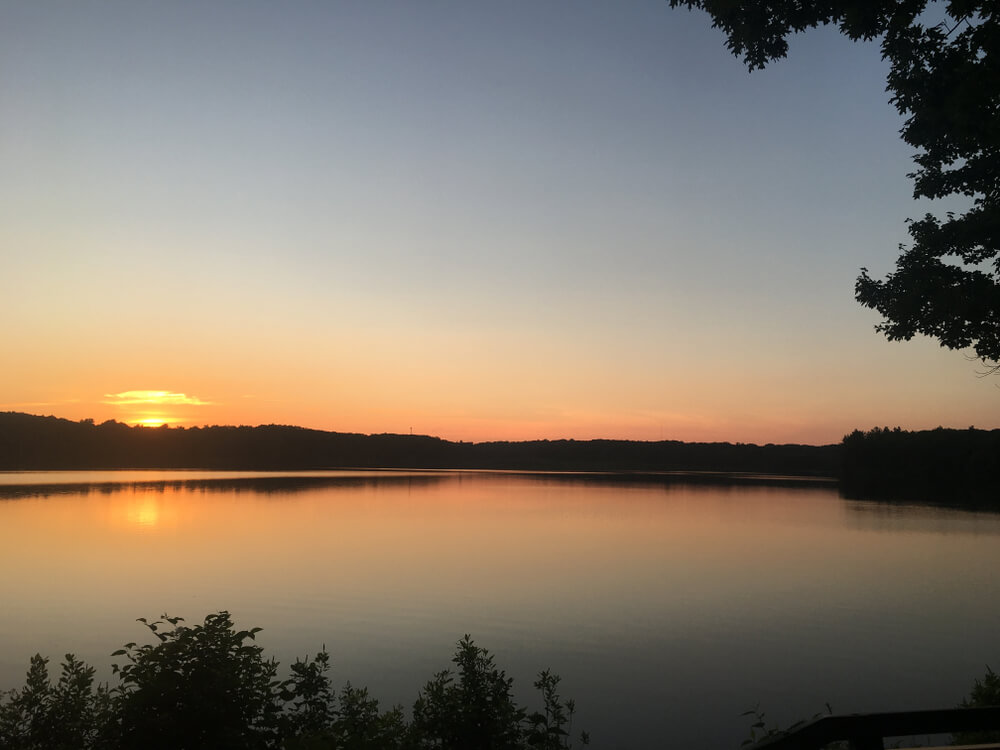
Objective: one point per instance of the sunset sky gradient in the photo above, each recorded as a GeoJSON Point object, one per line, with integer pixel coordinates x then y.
{"type": "Point", "coordinates": [503, 220]}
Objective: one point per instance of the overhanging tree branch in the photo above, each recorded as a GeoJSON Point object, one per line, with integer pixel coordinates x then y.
{"type": "Point", "coordinates": [946, 284]}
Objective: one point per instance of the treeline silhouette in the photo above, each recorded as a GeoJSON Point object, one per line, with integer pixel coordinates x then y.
{"type": "Point", "coordinates": [943, 465]}
{"type": "Point", "coordinates": [29, 442]}
{"type": "Point", "coordinates": [939, 464]}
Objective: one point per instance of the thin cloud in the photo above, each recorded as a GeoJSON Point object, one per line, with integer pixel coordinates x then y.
{"type": "Point", "coordinates": [126, 398]}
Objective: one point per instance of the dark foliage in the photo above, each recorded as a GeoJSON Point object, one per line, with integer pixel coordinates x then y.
{"type": "Point", "coordinates": [210, 687]}
{"type": "Point", "coordinates": [198, 687]}
{"type": "Point", "coordinates": [985, 692]}
{"type": "Point", "coordinates": [73, 713]}
{"type": "Point", "coordinates": [474, 708]}
{"type": "Point", "coordinates": [32, 442]}
{"type": "Point", "coordinates": [948, 466]}
{"type": "Point", "coordinates": [944, 78]}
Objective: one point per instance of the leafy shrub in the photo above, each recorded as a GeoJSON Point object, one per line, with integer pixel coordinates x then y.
{"type": "Point", "coordinates": [68, 715]}
{"type": "Point", "coordinates": [985, 692]}
{"type": "Point", "coordinates": [477, 710]}
{"type": "Point", "coordinates": [199, 687]}
{"type": "Point", "coordinates": [210, 686]}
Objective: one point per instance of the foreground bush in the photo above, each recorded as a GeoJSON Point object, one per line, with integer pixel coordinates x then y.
{"type": "Point", "coordinates": [985, 692]}
{"type": "Point", "coordinates": [209, 686]}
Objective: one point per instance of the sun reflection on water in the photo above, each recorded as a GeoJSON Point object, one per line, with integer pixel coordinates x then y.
{"type": "Point", "coordinates": [143, 511]}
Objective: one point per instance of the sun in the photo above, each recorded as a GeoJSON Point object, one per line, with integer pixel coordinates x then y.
{"type": "Point", "coordinates": [153, 421]}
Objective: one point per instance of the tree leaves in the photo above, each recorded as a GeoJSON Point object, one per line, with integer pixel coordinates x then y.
{"type": "Point", "coordinates": [210, 686]}
{"type": "Point", "coordinates": [944, 79]}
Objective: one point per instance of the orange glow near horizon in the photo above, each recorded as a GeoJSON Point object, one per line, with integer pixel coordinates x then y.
{"type": "Point", "coordinates": [557, 395]}
{"type": "Point", "coordinates": [727, 422]}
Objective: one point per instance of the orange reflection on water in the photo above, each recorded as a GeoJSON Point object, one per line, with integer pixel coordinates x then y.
{"type": "Point", "coordinates": [399, 542]}
{"type": "Point", "coordinates": [461, 549]}
{"type": "Point", "coordinates": [667, 590]}
{"type": "Point", "coordinates": [144, 513]}
{"type": "Point", "coordinates": [455, 554]}
{"type": "Point", "coordinates": [146, 508]}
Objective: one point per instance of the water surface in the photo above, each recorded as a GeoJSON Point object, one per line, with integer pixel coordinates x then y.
{"type": "Point", "coordinates": [667, 607]}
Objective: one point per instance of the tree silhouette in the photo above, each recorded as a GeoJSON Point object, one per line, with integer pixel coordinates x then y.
{"type": "Point", "coordinates": [210, 687]}
{"type": "Point", "coordinates": [944, 79]}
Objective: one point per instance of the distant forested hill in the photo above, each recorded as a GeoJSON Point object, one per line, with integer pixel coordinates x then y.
{"type": "Point", "coordinates": [946, 465]}
{"type": "Point", "coordinates": [33, 442]}
{"type": "Point", "coordinates": [935, 464]}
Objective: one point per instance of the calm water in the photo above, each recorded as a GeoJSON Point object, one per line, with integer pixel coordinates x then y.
{"type": "Point", "coordinates": [667, 608]}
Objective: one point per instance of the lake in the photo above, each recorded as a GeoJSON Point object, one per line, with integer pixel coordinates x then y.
{"type": "Point", "coordinates": [668, 607]}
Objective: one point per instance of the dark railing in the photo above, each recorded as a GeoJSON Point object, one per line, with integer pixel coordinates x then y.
{"type": "Point", "coordinates": [867, 731]}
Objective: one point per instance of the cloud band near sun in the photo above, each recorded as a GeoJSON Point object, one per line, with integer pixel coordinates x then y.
{"type": "Point", "coordinates": [153, 397]}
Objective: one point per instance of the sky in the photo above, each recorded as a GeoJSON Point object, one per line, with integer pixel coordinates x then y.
{"type": "Point", "coordinates": [493, 220]}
